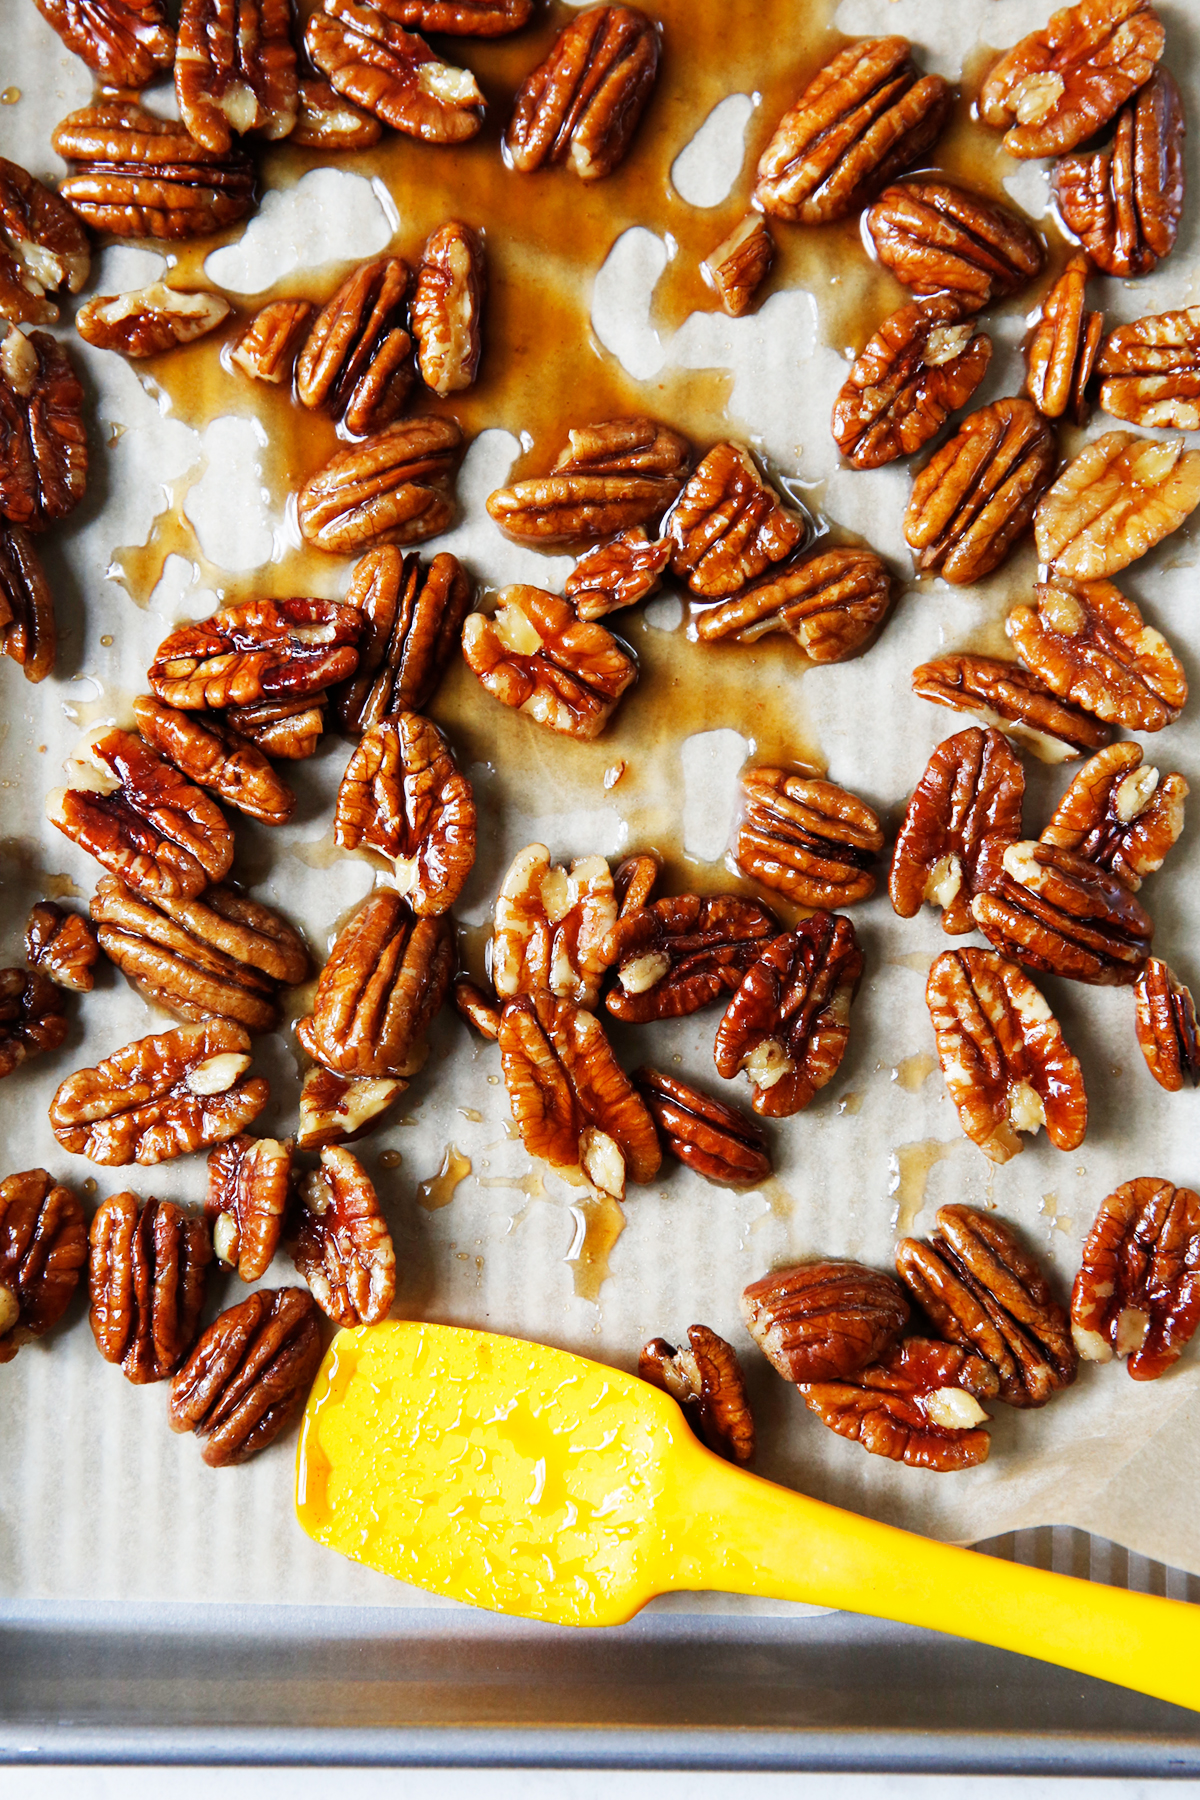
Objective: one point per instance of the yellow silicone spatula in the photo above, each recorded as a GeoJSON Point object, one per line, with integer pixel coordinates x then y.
{"type": "Point", "coordinates": [534, 1482]}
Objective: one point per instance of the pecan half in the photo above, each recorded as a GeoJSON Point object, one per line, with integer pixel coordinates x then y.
{"type": "Point", "coordinates": [617, 573]}
{"type": "Point", "coordinates": [787, 1026]}
{"type": "Point", "coordinates": [266, 350]}
{"type": "Point", "coordinates": [535, 655]}
{"type": "Point", "coordinates": [147, 1272]}
{"type": "Point", "coordinates": [393, 73]}
{"type": "Point", "coordinates": [43, 443]}
{"type": "Point", "coordinates": [611, 477]}
{"type": "Point", "coordinates": [160, 1097]}
{"type": "Point", "coordinates": [326, 121]}
{"type": "Point", "coordinates": [706, 1379]}
{"type": "Point", "coordinates": [125, 42]}
{"type": "Point", "coordinates": [865, 116]}
{"type": "Point", "coordinates": [32, 1017]}
{"type": "Point", "coordinates": [738, 266]}
{"type": "Point", "coordinates": [975, 497]}
{"type": "Point", "coordinates": [355, 361]}
{"type": "Point", "coordinates": [582, 105]}
{"type": "Point", "coordinates": [393, 488]}
{"type": "Point", "coordinates": [235, 70]}
{"type": "Point", "coordinates": [1061, 350]}
{"type": "Point", "coordinates": [43, 247]}
{"type": "Point", "coordinates": [287, 729]}
{"type": "Point", "coordinates": [261, 650]}
{"type": "Point", "coordinates": [1119, 815]}
{"type": "Point", "coordinates": [1006, 695]}
{"type": "Point", "coordinates": [552, 927]}
{"type": "Point", "coordinates": [149, 321]}
{"type": "Point", "coordinates": [477, 1008]}
{"type": "Point", "coordinates": [572, 1102]}
{"type": "Point", "coordinates": [973, 788]}
{"type": "Point", "coordinates": [248, 1375]}
{"type": "Point", "coordinates": [1059, 85]}
{"type": "Point", "coordinates": [413, 621]}
{"type": "Point", "coordinates": [1117, 499]}
{"type": "Point", "coordinates": [404, 795]}
{"type": "Point", "coordinates": [1089, 644]}
{"type": "Point", "coordinates": [918, 1405]}
{"type": "Point", "coordinates": [806, 838]}
{"type": "Point", "coordinates": [343, 1247]}
{"type": "Point", "coordinates": [216, 757]}
{"type": "Point", "coordinates": [1124, 202]}
{"type": "Point", "coordinates": [1137, 1293]}
{"type": "Point", "coordinates": [628, 446]}
{"type": "Point", "coordinates": [63, 945]}
{"type": "Point", "coordinates": [1055, 912]}
{"type": "Point", "coordinates": [924, 362]}
{"type": "Point", "coordinates": [249, 1181]}
{"type": "Point", "coordinates": [675, 955]}
{"type": "Point", "coordinates": [141, 176]}
{"type": "Point", "coordinates": [43, 1247]}
{"type": "Point", "coordinates": [28, 632]}
{"type": "Point", "coordinates": [447, 308]}
{"type": "Point", "coordinates": [1165, 1022]}
{"type": "Point", "coordinates": [824, 1321]}
{"type": "Point", "coordinates": [386, 977]}
{"type": "Point", "coordinates": [831, 604]}
{"type": "Point", "coordinates": [462, 18]}
{"type": "Point", "coordinates": [729, 525]}
{"type": "Point", "coordinates": [937, 237]}
{"type": "Point", "coordinates": [716, 1140]}
{"type": "Point", "coordinates": [334, 1109]}
{"type": "Point", "coordinates": [1151, 370]}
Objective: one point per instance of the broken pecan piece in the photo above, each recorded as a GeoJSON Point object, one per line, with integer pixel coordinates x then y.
{"type": "Point", "coordinates": [706, 1379]}
{"type": "Point", "coordinates": [582, 105]}
{"type": "Point", "coordinates": [617, 573]}
{"type": "Point", "coordinates": [535, 655]}
{"type": "Point", "coordinates": [43, 443]}
{"type": "Point", "coordinates": [28, 632]}
{"type": "Point", "coordinates": [43, 1247]}
{"type": "Point", "coordinates": [1119, 815]}
{"type": "Point", "coordinates": [675, 955]}
{"type": "Point", "coordinates": [147, 1272]}
{"type": "Point", "coordinates": [447, 308]}
{"type": "Point", "coordinates": [975, 497]}
{"type": "Point", "coordinates": [355, 362]}
{"type": "Point", "coordinates": [716, 1140]}
{"type": "Point", "coordinates": [404, 795]}
{"type": "Point", "coordinates": [1062, 348]}
{"type": "Point", "coordinates": [1137, 1293]}
{"type": "Point", "coordinates": [261, 650]}
{"type": "Point", "coordinates": [393, 73]}
{"type": "Point", "coordinates": [611, 477]}
{"type": "Point", "coordinates": [477, 1008]}
{"type": "Point", "coordinates": [1089, 644]}
{"type": "Point", "coordinates": [266, 350]}
{"type": "Point", "coordinates": [1124, 202]}
{"type": "Point", "coordinates": [824, 1321]}
{"type": "Point", "coordinates": [235, 70]}
{"type": "Point", "coordinates": [142, 176]}
{"type": "Point", "coordinates": [806, 838]}
{"type": "Point", "coordinates": [937, 237]}
{"type": "Point", "coordinates": [413, 621]}
{"type": "Point", "coordinates": [738, 266]}
{"type": "Point", "coordinates": [334, 1109]}
{"type": "Point", "coordinates": [1059, 85]}
{"type": "Point", "coordinates": [924, 362]}
{"type": "Point", "coordinates": [287, 729]}
{"type": "Point", "coordinates": [634, 881]}
{"type": "Point", "coordinates": [393, 488]}
{"type": "Point", "coordinates": [1053, 911]}
{"type": "Point", "coordinates": [63, 945]}
{"type": "Point", "coordinates": [831, 604]}
{"type": "Point", "coordinates": [1165, 1022]}
{"type": "Point", "coordinates": [552, 927]}
{"type": "Point", "coordinates": [729, 525]}
{"type": "Point", "coordinates": [32, 1017]}
{"type": "Point", "coordinates": [1120, 496]}
{"type": "Point", "coordinates": [1151, 370]}
{"type": "Point", "coordinates": [343, 1247]}
{"type": "Point", "coordinates": [973, 788]}
{"type": "Point", "coordinates": [326, 121]}
{"type": "Point", "coordinates": [249, 1181]}
{"type": "Point", "coordinates": [43, 247]}
{"type": "Point", "coordinates": [1010, 697]}
{"type": "Point", "coordinates": [249, 1373]}
{"type": "Point", "coordinates": [127, 43]}
{"type": "Point", "coordinates": [216, 757]}
{"type": "Point", "coordinates": [149, 321]}
{"type": "Point", "coordinates": [919, 1404]}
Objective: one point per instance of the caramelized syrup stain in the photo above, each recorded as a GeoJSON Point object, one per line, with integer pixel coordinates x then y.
{"type": "Point", "coordinates": [599, 1222]}
{"type": "Point", "coordinates": [909, 1168]}
{"type": "Point", "coordinates": [440, 1189]}
{"type": "Point", "coordinates": [914, 1071]}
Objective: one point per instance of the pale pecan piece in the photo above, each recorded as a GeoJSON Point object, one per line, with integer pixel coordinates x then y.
{"type": "Point", "coordinates": [32, 1017]}
{"type": "Point", "coordinates": [1151, 370]}
{"type": "Point", "coordinates": [326, 121]}
{"type": "Point", "coordinates": [806, 838]}
{"type": "Point", "coordinates": [43, 443]}
{"type": "Point", "coordinates": [355, 361]}
{"type": "Point", "coordinates": [149, 321]}
{"type": "Point", "coordinates": [738, 266]}
{"type": "Point", "coordinates": [393, 73]}
{"type": "Point", "coordinates": [973, 788]}
{"type": "Point", "coordinates": [552, 927]}
{"type": "Point", "coordinates": [43, 1247]}
{"type": "Point", "coordinates": [918, 1405]}
{"type": "Point", "coordinates": [1057, 913]}
{"type": "Point", "coordinates": [141, 176]}
{"type": "Point", "coordinates": [1137, 1293]}
{"type": "Point", "coordinates": [404, 795]}
{"type": "Point", "coordinates": [393, 488]}
{"type": "Point", "coordinates": [1008, 1067]}
{"type": "Point", "coordinates": [824, 1321]}
{"type": "Point", "coordinates": [140, 818]}
{"type": "Point", "coordinates": [63, 945]}
{"type": "Point", "coordinates": [334, 1109]}
{"type": "Point", "coordinates": [617, 573]}
{"type": "Point", "coordinates": [1120, 497]}
{"type": "Point", "coordinates": [160, 1097]}
{"type": "Point", "coordinates": [249, 1183]}
{"type": "Point", "coordinates": [43, 247]}
{"type": "Point", "coordinates": [287, 729]}
{"type": "Point", "coordinates": [261, 650]}
{"type": "Point", "coordinates": [219, 956]}
{"type": "Point", "coordinates": [1010, 697]}
{"type": "Point", "coordinates": [235, 70]}
{"type": "Point", "coordinates": [832, 605]}
{"type": "Point", "coordinates": [477, 1008]}
{"type": "Point", "coordinates": [386, 977]}
{"type": "Point", "coordinates": [1059, 85]}
{"type": "Point", "coordinates": [28, 632]}
{"type": "Point", "coordinates": [266, 350]}
{"type": "Point", "coordinates": [210, 753]}
{"type": "Point", "coordinates": [1062, 348]}
{"type": "Point", "coordinates": [716, 1140]}
{"type": "Point", "coordinates": [975, 497]}
{"type": "Point", "coordinates": [729, 525]}
{"type": "Point", "coordinates": [788, 1024]}
{"type": "Point", "coordinates": [1089, 644]}
{"type": "Point", "coordinates": [248, 1375]}
{"type": "Point", "coordinates": [675, 955]}
{"type": "Point", "coordinates": [1124, 202]}
{"type": "Point", "coordinates": [982, 1289]}
{"type": "Point", "coordinates": [127, 43]}
{"type": "Point", "coordinates": [572, 1102]}
{"type": "Point", "coordinates": [1119, 815]}
{"type": "Point", "coordinates": [147, 1272]}
{"type": "Point", "coordinates": [865, 116]}
{"type": "Point", "coordinates": [924, 362]}
{"type": "Point", "coordinates": [706, 1379]}
{"type": "Point", "coordinates": [560, 671]}
{"type": "Point", "coordinates": [937, 237]}
{"type": "Point", "coordinates": [462, 18]}
{"type": "Point", "coordinates": [447, 308]}
{"type": "Point", "coordinates": [582, 105]}
{"type": "Point", "coordinates": [1165, 1022]}
{"type": "Point", "coordinates": [611, 477]}
{"type": "Point", "coordinates": [414, 615]}
{"type": "Point", "coordinates": [342, 1246]}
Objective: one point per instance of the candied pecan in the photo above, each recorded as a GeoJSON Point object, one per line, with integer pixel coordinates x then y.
{"type": "Point", "coordinates": [404, 795]}
{"type": "Point", "coordinates": [386, 977]}
{"type": "Point", "coordinates": [63, 945]}
{"type": "Point", "coordinates": [617, 573]}
{"type": "Point", "coordinates": [1089, 644]}
{"type": "Point", "coordinates": [1124, 202]}
{"type": "Point", "coordinates": [462, 18]}
{"type": "Point", "coordinates": [32, 1018]}
{"type": "Point", "coordinates": [214, 756]}
{"type": "Point", "coordinates": [343, 1247]}
{"type": "Point", "coordinates": [824, 1321]}
{"type": "Point", "coordinates": [43, 1246]}
{"type": "Point", "coordinates": [975, 497]}
{"type": "Point", "coordinates": [728, 525]}
{"type": "Point", "coordinates": [142, 176]}
{"type": "Point", "coordinates": [571, 1100]}
{"type": "Point", "coordinates": [610, 477]}
{"type": "Point", "coordinates": [738, 266]}
{"type": "Point", "coordinates": [355, 361]}
{"type": "Point", "coordinates": [393, 488]}
{"type": "Point", "coordinates": [807, 838]}
{"type": "Point", "coordinates": [937, 237]}
{"type": "Point", "coordinates": [1165, 1022]}
{"type": "Point", "coordinates": [261, 650]}
{"type": "Point", "coordinates": [235, 70]}
{"type": "Point", "coordinates": [127, 43]}
{"type": "Point", "coordinates": [918, 1405]}
{"type": "Point", "coordinates": [1059, 85]}
{"type": "Point", "coordinates": [634, 881]}
{"type": "Point", "coordinates": [287, 729]}
{"type": "Point", "coordinates": [629, 446]}
{"type": "Point", "coordinates": [326, 121]}
{"type": "Point", "coordinates": [43, 247]}
{"type": "Point", "coordinates": [1061, 349]}
{"type": "Point", "coordinates": [706, 1379]}
{"type": "Point", "coordinates": [675, 955]}
{"type": "Point", "coordinates": [249, 1181]}
{"type": "Point", "coordinates": [716, 1140]}
{"type": "Point", "coordinates": [560, 671]}
{"type": "Point", "coordinates": [248, 1375]}
{"type": "Point", "coordinates": [1151, 370]}
{"type": "Point", "coordinates": [413, 621]}
{"type": "Point", "coordinates": [865, 116]}
{"type": "Point", "coordinates": [447, 308]}
{"type": "Point", "coordinates": [973, 788]}
{"type": "Point", "coordinates": [28, 632]}
{"type": "Point", "coordinates": [335, 1109]}
{"type": "Point", "coordinates": [552, 927]}
{"type": "Point", "coordinates": [1020, 703]}
{"type": "Point", "coordinates": [1008, 1067]}
{"type": "Point", "coordinates": [477, 1008]}
{"type": "Point", "coordinates": [1117, 814]}
{"type": "Point", "coordinates": [267, 348]}
{"type": "Point", "coordinates": [43, 443]}
{"type": "Point", "coordinates": [582, 105]}
{"type": "Point", "coordinates": [148, 321]}
{"type": "Point", "coordinates": [1137, 1293]}
{"type": "Point", "coordinates": [831, 604]}
{"type": "Point", "coordinates": [160, 1097]}
{"type": "Point", "coordinates": [1120, 497]}
{"type": "Point", "coordinates": [392, 73]}
{"type": "Point", "coordinates": [924, 362]}
{"type": "Point", "coordinates": [146, 1275]}
{"type": "Point", "coordinates": [1058, 913]}
{"type": "Point", "coordinates": [788, 1023]}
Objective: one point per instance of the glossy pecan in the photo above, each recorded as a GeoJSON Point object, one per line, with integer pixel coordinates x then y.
{"type": "Point", "coordinates": [1137, 1293]}
{"type": "Point", "coordinates": [334, 1109]}
{"type": "Point", "coordinates": [127, 43]}
{"type": "Point", "coordinates": [831, 604]}
{"type": "Point", "coordinates": [62, 945]}
{"type": "Point", "coordinates": [249, 1181]}
{"type": "Point", "coordinates": [149, 321]}
{"type": "Point", "coordinates": [1118, 814]}
{"type": "Point", "coordinates": [582, 105]}
{"type": "Point", "coordinates": [1006, 695]}
{"type": "Point", "coordinates": [919, 1405]}
{"type": "Point", "coordinates": [287, 729]}
{"type": "Point", "coordinates": [707, 1381]}
{"type": "Point", "coordinates": [386, 977]}
{"type": "Point", "coordinates": [787, 1026]}
{"type": "Point", "coordinates": [393, 488]}
{"type": "Point", "coordinates": [404, 795]}
{"type": "Point", "coordinates": [261, 650]}
{"type": "Point", "coordinates": [552, 927]}
{"type": "Point", "coordinates": [806, 838]}
{"type": "Point", "coordinates": [477, 1007]}
{"type": "Point", "coordinates": [716, 1140]}
{"type": "Point", "coordinates": [1117, 499]}
{"type": "Point", "coordinates": [675, 955]}
{"type": "Point", "coordinates": [973, 788]}
{"type": "Point", "coordinates": [535, 655]}
{"type": "Point", "coordinates": [617, 573]}
{"type": "Point", "coordinates": [462, 18]}
{"type": "Point", "coordinates": [729, 525]}
{"type": "Point", "coordinates": [1055, 912]}
{"type": "Point", "coordinates": [738, 266]}
{"type": "Point", "coordinates": [147, 1271]}
{"type": "Point", "coordinates": [235, 70]}
{"type": "Point", "coordinates": [1165, 1022]}
{"type": "Point", "coordinates": [161, 1097]}
{"type": "Point", "coordinates": [1090, 645]}
{"type": "Point", "coordinates": [28, 632]}
{"type": "Point", "coordinates": [824, 1321]}
{"type": "Point", "coordinates": [634, 881]}
{"type": "Point", "coordinates": [937, 237]}
{"type": "Point", "coordinates": [1124, 202]}
{"type": "Point", "coordinates": [210, 753]}
{"type": "Point", "coordinates": [342, 1245]}
{"type": "Point", "coordinates": [43, 1247]}
{"type": "Point", "coordinates": [1151, 370]}
{"type": "Point", "coordinates": [43, 443]}
{"type": "Point", "coordinates": [138, 175]}
{"type": "Point", "coordinates": [393, 73]}
{"type": "Point", "coordinates": [611, 477]}
{"type": "Point", "coordinates": [356, 362]}
{"type": "Point", "coordinates": [413, 615]}
{"type": "Point", "coordinates": [1059, 85]}
{"type": "Point", "coordinates": [327, 121]}
{"type": "Point", "coordinates": [1061, 350]}
{"type": "Point", "coordinates": [248, 1375]}
{"type": "Point", "coordinates": [32, 1017]}
{"type": "Point", "coordinates": [266, 350]}
{"type": "Point", "coordinates": [924, 362]}
{"type": "Point", "coordinates": [975, 497]}
{"type": "Point", "coordinates": [447, 308]}
{"type": "Point", "coordinates": [43, 248]}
